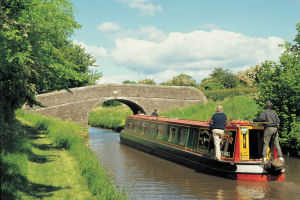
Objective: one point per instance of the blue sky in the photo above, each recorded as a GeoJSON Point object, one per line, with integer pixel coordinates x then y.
{"type": "Point", "coordinates": [159, 39]}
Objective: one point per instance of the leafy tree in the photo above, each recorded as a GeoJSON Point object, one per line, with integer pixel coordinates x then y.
{"type": "Point", "coordinates": [181, 80]}
{"type": "Point", "coordinates": [248, 77]}
{"type": "Point", "coordinates": [210, 84]}
{"type": "Point", "coordinates": [225, 77]}
{"type": "Point", "coordinates": [128, 82]}
{"type": "Point", "coordinates": [36, 54]}
{"type": "Point", "coordinates": [280, 83]}
{"type": "Point", "coordinates": [147, 81]}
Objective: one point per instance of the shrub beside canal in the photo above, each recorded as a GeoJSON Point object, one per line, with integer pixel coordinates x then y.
{"type": "Point", "coordinates": [72, 137]}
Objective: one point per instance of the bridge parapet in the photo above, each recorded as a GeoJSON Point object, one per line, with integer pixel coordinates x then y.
{"type": "Point", "coordinates": [77, 104]}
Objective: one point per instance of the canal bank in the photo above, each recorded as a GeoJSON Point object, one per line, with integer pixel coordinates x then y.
{"type": "Point", "coordinates": [52, 170]}
{"type": "Point", "coordinates": [51, 160]}
{"type": "Point", "coordinates": [145, 176]}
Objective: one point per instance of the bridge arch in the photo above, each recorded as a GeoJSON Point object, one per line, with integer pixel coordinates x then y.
{"type": "Point", "coordinates": [132, 105]}
{"type": "Point", "coordinates": [77, 104]}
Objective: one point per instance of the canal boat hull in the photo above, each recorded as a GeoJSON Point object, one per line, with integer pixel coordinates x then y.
{"type": "Point", "coordinates": [201, 162]}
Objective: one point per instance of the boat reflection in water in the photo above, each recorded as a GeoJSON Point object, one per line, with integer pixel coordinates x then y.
{"type": "Point", "coordinates": [251, 190]}
{"type": "Point", "coordinates": [190, 143]}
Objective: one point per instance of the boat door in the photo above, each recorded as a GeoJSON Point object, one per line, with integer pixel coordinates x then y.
{"type": "Point", "coordinates": [244, 143]}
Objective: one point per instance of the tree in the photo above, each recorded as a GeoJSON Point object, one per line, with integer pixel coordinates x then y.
{"type": "Point", "coordinates": [210, 84]}
{"type": "Point", "coordinates": [128, 82]}
{"type": "Point", "coordinates": [147, 81]}
{"type": "Point", "coordinates": [248, 77]}
{"type": "Point", "coordinates": [36, 54]}
{"type": "Point", "coordinates": [225, 77]}
{"type": "Point", "coordinates": [280, 83]}
{"type": "Point", "coordinates": [181, 80]}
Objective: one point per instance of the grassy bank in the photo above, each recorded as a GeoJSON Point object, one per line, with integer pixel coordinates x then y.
{"type": "Point", "coordinates": [15, 151]}
{"type": "Point", "coordinates": [236, 108]}
{"type": "Point", "coordinates": [48, 158]}
{"type": "Point", "coordinates": [109, 117]}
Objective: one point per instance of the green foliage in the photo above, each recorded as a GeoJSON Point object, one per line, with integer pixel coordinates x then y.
{"type": "Point", "coordinates": [225, 77]}
{"type": "Point", "coordinates": [221, 94]}
{"type": "Point", "coordinates": [14, 151]}
{"type": "Point", "coordinates": [236, 108]}
{"type": "Point", "coordinates": [36, 55]}
{"type": "Point", "coordinates": [112, 103]}
{"type": "Point", "coordinates": [181, 80]}
{"type": "Point", "coordinates": [248, 77]}
{"type": "Point", "coordinates": [280, 83]}
{"type": "Point", "coordinates": [128, 82]}
{"type": "Point", "coordinates": [210, 84]}
{"type": "Point", "coordinates": [147, 81]}
{"type": "Point", "coordinates": [109, 117]}
{"type": "Point", "coordinates": [71, 136]}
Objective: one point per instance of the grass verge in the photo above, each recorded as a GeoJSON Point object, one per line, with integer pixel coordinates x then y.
{"type": "Point", "coordinates": [72, 137]}
{"type": "Point", "coordinates": [112, 117]}
{"type": "Point", "coordinates": [15, 148]}
{"type": "Point", "coordinates": [236, 108]}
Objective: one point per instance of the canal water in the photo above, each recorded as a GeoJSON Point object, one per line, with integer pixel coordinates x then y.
{"type": "Point", "coordinates": [145, 176]}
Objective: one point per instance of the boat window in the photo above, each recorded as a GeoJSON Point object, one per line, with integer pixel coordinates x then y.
{"type": "Point", "coordinates": [256, 141]}
{"type": "Point", "coordinates": [173, 135]}
{"type": "Point", "coordinates": [183, 136]}
{"type": "Point", "coordinates": [130, 125]}
{"type": "Point", "coordinates": [227, 144]}
{"type": "Point", "coordinates": [162, 133]}
{"type": "Point", "coordinates": [205, 143]}
{"type": "Point", "coordinates": [146, 129]}
{"type": "Point", "coordinates": [137, 126]}
{"type": "Point", "coordinates": [193, 138]}
{"type": "Point", "coordinates": [154, 130]}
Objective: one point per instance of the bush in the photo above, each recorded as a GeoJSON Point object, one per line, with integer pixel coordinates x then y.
{"type": "Point", "coordinates": [221, 94]}
{"type": "Point", "coordinates": [109, 117]}
{"type": "Point", "coordinates": [280, 83]}
{"type": "Point", "coordinates": [111, 103]}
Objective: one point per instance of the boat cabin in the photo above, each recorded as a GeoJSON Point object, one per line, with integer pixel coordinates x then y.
{"type": "Point", "coordinates": [242, 142]}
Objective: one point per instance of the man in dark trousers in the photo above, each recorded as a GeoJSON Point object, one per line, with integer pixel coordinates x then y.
{"type": "Point", "coordinates": [270, 133]}
{"type": "Point", "coordinates": [217, 124]}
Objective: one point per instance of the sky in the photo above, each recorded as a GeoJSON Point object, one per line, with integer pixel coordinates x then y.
{"type": "Point", "coordinates": [160, 39]}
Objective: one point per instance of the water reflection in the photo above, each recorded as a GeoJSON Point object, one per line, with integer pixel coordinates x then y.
{"type": "Point", "coordinates": [146, 176]}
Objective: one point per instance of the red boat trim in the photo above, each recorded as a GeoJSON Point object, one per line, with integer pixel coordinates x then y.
{"type": "Point", "coordinates": [261, 177]}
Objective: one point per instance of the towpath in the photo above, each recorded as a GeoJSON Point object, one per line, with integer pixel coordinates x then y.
{"type": "Point", "coordinates": [52, 173]}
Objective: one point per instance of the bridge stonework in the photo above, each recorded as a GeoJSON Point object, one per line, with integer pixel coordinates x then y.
{"type": "Point", "coordinates": [77, 104]}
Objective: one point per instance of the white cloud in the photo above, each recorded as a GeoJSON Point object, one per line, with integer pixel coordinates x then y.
{"type": "Point", "coordinates": [158, 77]}
{"type": "Point", "coordinates": [93, 50]}
{"type": "Point", "coordinates": [144, 6]}
{"type": "Point", "coordinates": [108, 27]}
{"type": "Point", "coordinates": [149, 33]}
{"type": "Point", "coordinates": [194, 51]}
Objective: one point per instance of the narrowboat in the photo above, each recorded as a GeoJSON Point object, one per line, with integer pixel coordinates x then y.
{"type": "Point", "coordinates": [190, 143]}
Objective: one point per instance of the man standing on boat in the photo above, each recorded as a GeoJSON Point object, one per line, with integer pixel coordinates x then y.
{"type": "Point", "coordinates": [154, 114]}
{"type": "Point", "coordinates": [217, 124]}
{"type": "Point", "coordinates": [271, 132]}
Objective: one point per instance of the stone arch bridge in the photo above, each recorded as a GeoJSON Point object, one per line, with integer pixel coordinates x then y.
{"type": "Point", "coordinates": [77, 104]}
